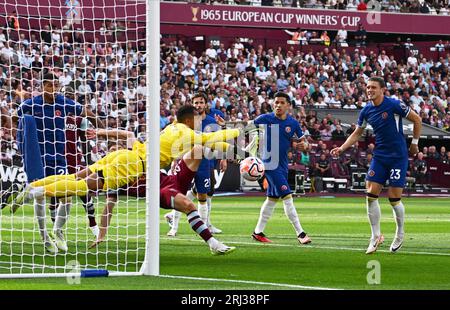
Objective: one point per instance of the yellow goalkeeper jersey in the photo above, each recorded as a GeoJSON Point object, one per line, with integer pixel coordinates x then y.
{"type": "Point", "coordinates": [178, 139]}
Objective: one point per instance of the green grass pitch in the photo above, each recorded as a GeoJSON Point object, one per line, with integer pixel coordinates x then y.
{"type": "Point", "coordinates": [338, 227]}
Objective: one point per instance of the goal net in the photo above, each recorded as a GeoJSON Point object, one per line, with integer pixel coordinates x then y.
{"type": "Point", "coordinates": [96, 51]}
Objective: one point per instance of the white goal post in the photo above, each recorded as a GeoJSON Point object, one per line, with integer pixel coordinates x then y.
{"type": "Point", "coordinates": [105, 55]}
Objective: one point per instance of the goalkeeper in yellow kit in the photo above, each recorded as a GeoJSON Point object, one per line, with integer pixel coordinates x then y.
{"type": "Point", "coordinates": [124, 167]}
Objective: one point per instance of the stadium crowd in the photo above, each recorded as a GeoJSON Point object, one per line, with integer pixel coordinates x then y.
{"type": "Point", "coordinates": [240, 79]}
{"type": "Point", "coordinates": [441, 7]}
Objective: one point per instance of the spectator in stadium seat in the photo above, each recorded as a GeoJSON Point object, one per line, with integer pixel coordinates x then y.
{"type": "Point", "coordinates": [425, 152]}
{"type": "Point", "coordinates": [320, 103]}
{"type": "Point", "coordinates": [361, 34]}
{"type": "Point", "coordinates": [412, 61]}
{"type": "Point", "coordinates": [13, 21]}
{"type": "Point", "coordinates": [349, 105]}
{"type": "Point", "coordinates": [326, 134]}
{"type": "Point", "coordinates": [322, 166]}
{"type": "Point", "coordinates": [338, 134]}
{"type": "Point", "coordinates": [325, 38]}
{"type": "Point", "coordinates": [432, 154]}
{"type": "Point", "coordinates": [404, 8]}
{"type": "Point", "coordinates": [321, 148]}
{"type": "Point", "coordinates": [420, 170]}
{"type": "Point", "coordinates": [282, 83]}
{"type": "Point", "coordinates": [440, 47]}
{"type": "Point", "coordinates": [362, 6]}
{"type": "Point", "coordinates": [287, 3]}
{"type": "Point", "coordinates": [334, 101]}
{"type": "Point", "coordinates": [291, 158]}
{"type": "Point", "coordinates": [297, 35]}
{"type": "Point", "coordinates": [445, 10]}
{"type": "Point", "coordinates": [370, 148]}
{"type": "Point", "coordinates": [424, 9]}
{"type": "Point", "coordinates": [447, 160]}
{"type": "Point", "coordinates": [304, 158]}
{"type": "Point", "coordinates": [354, 154]}
{"type": "Point", "coordinates": [352, 5]}
{"type": "Point", "coordinates": [414, 8]}
{"type": "Point", "coordinates": [366, 161]}
{"type": "Point", "coordinates": [351, 129]}
{"type": "Point", "coordinates": [443, 154]}
{"type": "Point", "coordinates": [267, 2]}
{"type": "Point", "coordinates": [341, 36]}
{"type": "Point", "coordinates": [314, 131]}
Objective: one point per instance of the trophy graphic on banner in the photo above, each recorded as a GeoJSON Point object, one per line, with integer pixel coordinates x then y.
{"type": "Point", "coordinates": [194, 13]}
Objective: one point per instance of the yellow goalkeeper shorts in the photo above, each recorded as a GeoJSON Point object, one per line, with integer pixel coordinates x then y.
{"type": "Point", "coordinates": [124, 169]}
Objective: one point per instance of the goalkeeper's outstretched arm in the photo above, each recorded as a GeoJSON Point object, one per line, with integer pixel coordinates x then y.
{"type": "Point", "coordinates": [116, 134]}
{"type": "Point", "coordinates": [98, 123]}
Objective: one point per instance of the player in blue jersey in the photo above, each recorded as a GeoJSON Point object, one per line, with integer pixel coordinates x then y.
{"type": "Point", "coordinates": [223, 164]}
{"type": "Point", "coordinates": [203, 187]}
{"type": "Point", "coordinates": [50, 111]}
{"type": "Point", "coordinates": [282, 127]}
{"type": "Point", "coordinates": [390, 160]}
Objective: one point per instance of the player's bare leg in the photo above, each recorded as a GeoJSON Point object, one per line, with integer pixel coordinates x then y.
{"type": "Point", "coordinates": [374, 215]}
{"type": "Point", "coordinates": [88, 204]}
{"type": "Point", "coordinates": [192, 160]}
{"type": "Point", "coordinates": [395, 194]}
{"type": "Point", "coordinates": [111, 200]}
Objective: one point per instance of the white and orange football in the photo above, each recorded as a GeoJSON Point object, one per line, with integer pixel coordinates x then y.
{"type": "Point", "coordinates": [252, 168]}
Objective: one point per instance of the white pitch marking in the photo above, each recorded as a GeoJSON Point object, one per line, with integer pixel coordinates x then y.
{"type": "Point", "coordinates": [310, 246]}
{"type": "Point", "coordinates": [251, 282]}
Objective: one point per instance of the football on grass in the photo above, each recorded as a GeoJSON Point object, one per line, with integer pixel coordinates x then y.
{"type": "Point", "coordinates": [252, 168]}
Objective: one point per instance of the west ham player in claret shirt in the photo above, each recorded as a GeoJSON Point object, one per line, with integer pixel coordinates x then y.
{"type": "Point", "coordinates": [75, 135]}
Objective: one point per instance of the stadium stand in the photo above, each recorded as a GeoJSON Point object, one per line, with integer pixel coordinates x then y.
{"type": "Point", "coordinates": [394, 6]}
{"type": "Point", "coordinates": [239, 78]}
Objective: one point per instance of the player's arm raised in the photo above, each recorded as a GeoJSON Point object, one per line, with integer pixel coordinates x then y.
{"type": "Point", "coordinates": [417, 128]}
{"type": "Point", "coordinates": [352, 139]}
{"type": "Point", "coordinates": [98, 123]}
{"type": "Point", "coordinates": [112, 134]}
{"type": "Point", "coordinates": [217, 136]}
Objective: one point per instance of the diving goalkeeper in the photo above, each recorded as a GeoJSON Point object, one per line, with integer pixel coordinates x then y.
{"type": "Point", "coordinates": [124, 167]}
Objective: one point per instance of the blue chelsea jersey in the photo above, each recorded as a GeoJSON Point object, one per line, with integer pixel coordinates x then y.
{"type": "Point", "coordinates": [213, 112]}
{"type": "Point", "coordinates": [50, 123]}
{"type": "Point", "coordinates": [286, 130]}
{"type": "Point", "coordinates": [386, 121]}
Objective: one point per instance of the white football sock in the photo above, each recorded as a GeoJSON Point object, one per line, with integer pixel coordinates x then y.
{"type": "Point", "coordinates": [53, 214]}
{"type": "Point", "coordinates": [203, 210]}
{"type": "Point", "coordinates": [62, 215]}
{"type": "Point", "coordinates": [39, 212]}
{"type": "Point", "coordinates": [399, 216]}
{"type": "Point", "coordinates": [264, 215]}
{"type": "Point", "coordinates": [36, 192]}
{"type": "Point", "coordinates": [208, 203]}
{"type": "Point", "coordinates": [212, 242]}
{"type": "Point", "coordinates": [291, 213]}
{"type": "Point", "coordinates": [95, 231]}
{"type": "Point", "coordinates": [374, 215]}
{"type": "Point", "coordinates": [190, 196]}
{"type": "Point", "coordinates": [176, 215]}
